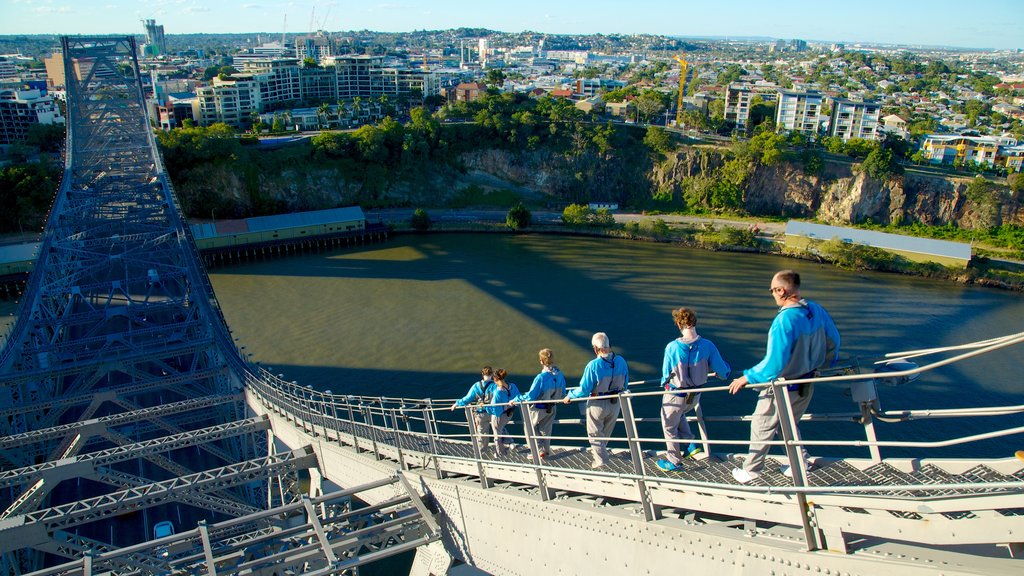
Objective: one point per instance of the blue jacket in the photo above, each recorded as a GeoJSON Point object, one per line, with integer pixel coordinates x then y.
{"type": "Point", "coordinates": [480, 393]}
{"type": "Point", "coordinates": [803, 338]}
{"type": "Point", "coordinates": [688, 365]}
{"type": "Point", "coordinates": [548, 385]}
{"type": "Point", "coordinates": [603, 376]}
{"type": "Point", "coordinates": [501, 399]}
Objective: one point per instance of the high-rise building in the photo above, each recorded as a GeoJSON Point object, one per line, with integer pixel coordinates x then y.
{"type": "Point", "coordinates": [231, 101]}
{"type": "Point", "coordinates": [156, 44]}
{"type": "Point", "coordinates": [798, 111]}
{"type": "Point", "coordinates": [854, 119]}
{"type": "Point", "coordinates": [484, 47]}
{"type": "Point", "coordinates": [20, 109]}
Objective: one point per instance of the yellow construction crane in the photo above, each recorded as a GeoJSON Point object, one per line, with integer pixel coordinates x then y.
{"type": "Point", "coordinates": [682, 86]}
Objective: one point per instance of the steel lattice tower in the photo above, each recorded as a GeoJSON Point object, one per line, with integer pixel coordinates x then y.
{"type": "Point", "coordinates": [118, 379]}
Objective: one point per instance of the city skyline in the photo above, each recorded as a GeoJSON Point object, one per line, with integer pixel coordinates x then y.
{"type": "Point", "coordinates": [996, 24]}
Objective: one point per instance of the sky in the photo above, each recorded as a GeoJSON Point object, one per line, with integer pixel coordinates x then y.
{"type": "Point", "coordinates": [995, 24]}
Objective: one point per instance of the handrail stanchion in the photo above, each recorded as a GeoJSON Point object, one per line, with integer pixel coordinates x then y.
{"type": "Point", "coordinates": [702, 428]}
{"type": "Point", "coordinates": [368, 418]}
{"type": "Point", "coordinates": [797, 462]}
{"type": "Point", "coordinates": [431, 427]}
{"type": "Point", "coordinates": [336, 424]}
{"type": "Point", "coordinates": [651, 512]}
{"type": "Point", "coordinates": [531, 441]}
{"type": "Point", "coordinates": [474, 434]}
{"type": "Point", "coordinates": [398, 438]}
{"type": "Point", "coordinates": [352, 425]}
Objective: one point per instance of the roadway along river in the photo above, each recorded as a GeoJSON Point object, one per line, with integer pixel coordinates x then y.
{"type": "Point", "coordinates": [418, 315]}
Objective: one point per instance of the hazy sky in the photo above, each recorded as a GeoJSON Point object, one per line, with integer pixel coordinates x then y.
{"type": "Point", "coordinates": [974, 24]}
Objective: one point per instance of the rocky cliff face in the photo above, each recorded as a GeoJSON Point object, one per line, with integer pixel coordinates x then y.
{"type": "Point", "coordinates": [844, 194]}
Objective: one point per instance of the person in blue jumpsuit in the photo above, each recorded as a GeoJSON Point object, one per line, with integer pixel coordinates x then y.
{"type": "Point", "coordinates": [688, 361]}
{"type": "Point", "coordinates": [480, 394]}
{"type": "Point", "coordinates": [802, 339]}
{"type": "Point", "coordinates": [548, 385]}
{"type": "Point", "coordinates": [604, 378]}
{"type": "Point", "coordinates": [501, 409]}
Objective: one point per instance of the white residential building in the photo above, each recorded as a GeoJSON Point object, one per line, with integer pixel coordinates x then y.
{"type": "Point", "coordinates": [20, 109]}
{"type": "Point", "coordinates": [854, 119]}
{"type": "Point", "coordinates": [798, 111]}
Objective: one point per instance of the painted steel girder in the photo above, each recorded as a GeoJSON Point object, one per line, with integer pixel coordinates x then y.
{"type": "Point", "coordinates": [27, 438]}
{"type": "Point", "coordinates": [133, 450]}
{"type": "Point", "coordinates": [15, 530]}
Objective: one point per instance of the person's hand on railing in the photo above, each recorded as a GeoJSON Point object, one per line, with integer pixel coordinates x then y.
{"type": "Point", "coordinates": [566, 399]}
{"type": "Point", "coordinates": [737, 384]}
{"type": "Point", "coordinates": [454, 406]}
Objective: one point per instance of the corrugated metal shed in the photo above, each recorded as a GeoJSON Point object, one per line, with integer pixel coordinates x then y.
{"type": "Point", "coordinates": [298, 219]}
{"type": "Point", "coordinates": [278, 222]}
{"type": "Point", "coordinates": [18, 252]}
{"type": "Point", "coordinates": [941, 248]}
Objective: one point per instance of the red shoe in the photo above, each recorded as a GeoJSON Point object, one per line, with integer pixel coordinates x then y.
{"type": "Point", "coordinates": [543, 455]}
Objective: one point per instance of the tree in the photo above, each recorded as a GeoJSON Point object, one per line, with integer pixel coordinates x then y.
{"type": "Point", "coordinates": [650, 103]}
{"type": "Point", "coordinates": [420, 220]}
{"type": "Point", "coordinates": [518, 217]}
{"type": "Point", "coordinates": [495, 77]}
{"type": "Point", "coordinates": [881, 164]}
{"type": "Point", "coordinates": [658, 139]}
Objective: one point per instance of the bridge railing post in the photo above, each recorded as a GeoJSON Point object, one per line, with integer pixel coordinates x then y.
{"type": "Point", "coordinates": [531, 441]}
{"type": "Point", "coordinates": [797, 461]}
{"type": "Point", "coordinates": [431, 428]}
{"type": "Point", "coordinates": [651, 512]}
{"type": "Point", "coordinates": [398, 438]}
{"type": "Point", "coordinates": [334, 418]}
{"type": "Point", "coordinates": [474, 434]}
{"type": "Point", "coordinates": [368, 419]}
{"type": "Point", "coordinates": [352, 424]}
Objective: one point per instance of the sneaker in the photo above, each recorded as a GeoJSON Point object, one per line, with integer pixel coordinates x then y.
{"type": "Point", "coordinates": [597, 465]}
{"type": "Point", "coordinates": [693, 451]}
{"type": "Point", "coordinates": [788, 472]}
{"type": "Point", "coordinates": [666, 465]}
{"type": "Point", "coordinates": [742, 476]}
{"type": "Point", "coordinates": [543, 455]}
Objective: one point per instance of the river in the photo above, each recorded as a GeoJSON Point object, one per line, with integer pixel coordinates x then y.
{"type": "Point", "coordinates": [418, 315]}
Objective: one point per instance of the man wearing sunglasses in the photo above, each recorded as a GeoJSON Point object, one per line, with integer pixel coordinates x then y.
{"type": "Point", "coordinates": [802, 339]}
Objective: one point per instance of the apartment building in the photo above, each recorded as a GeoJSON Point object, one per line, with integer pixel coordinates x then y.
{"type": "Point", "coordinates": [231, 101]}
{"type": "Point", "coordinates": [19, 109]}
{"type": "Point", "coordinates": [798, 111]}
{"type": "Point", "coordinates": [738, 97]}
{"type": "Point", "coordinates": [283, 81]}
{"type": "Point", "coordinates": [987, 150]}
{"type": "Point", "coordinates": [854, 119]}
{"type": "Point", "coordinates": [8, 70]}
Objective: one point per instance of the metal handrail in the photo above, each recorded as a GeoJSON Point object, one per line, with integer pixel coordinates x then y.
{"type": "Point", "coordinates": [300, 401]}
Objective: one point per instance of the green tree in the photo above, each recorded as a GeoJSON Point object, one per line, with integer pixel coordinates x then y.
{"type": "Point", "coordinates": [650, 103]}
{"type": "Point", "coordinates": [658, 139]}
{"type": "Point", "coordinates": [881, 164]}
{"type": "Point", "coordinates": [518, 217]}
{"type": "Point", "coordinates": [495, 77]}
{"type": "Point", "coordinates": [420, 220]}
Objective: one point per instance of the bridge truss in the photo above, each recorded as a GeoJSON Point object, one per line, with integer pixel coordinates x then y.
{"type": "Point", "coordinates": [119, 382]}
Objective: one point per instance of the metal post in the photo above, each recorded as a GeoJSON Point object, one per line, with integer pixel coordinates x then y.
{"type": "Point", "coordinates": [428, 423]}
{"type": "Point", "coordinates": [651, 512]}
{"type": "Point", "coordinates": [702, 428]}
{"type": "Point", "coordinates": [398, 438]}
{"type": "Point", "coordinates": [477, 452]}
{"type": "Point", "coordinates": [797, 462]}
{"type": "Point", "coordinates": [336, 424]}
{"type": "Point", "coordinates": [352, 425]}
{"type": "Point", "coordinates": [531, 441]}
{"type": "Point", "coordinates": [368, 416]}
{"type": "Point", "coordinates": [869, 431]}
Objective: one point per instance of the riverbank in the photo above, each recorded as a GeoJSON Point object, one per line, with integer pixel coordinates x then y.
{"type": "Point", "coordinates": [722, 235]}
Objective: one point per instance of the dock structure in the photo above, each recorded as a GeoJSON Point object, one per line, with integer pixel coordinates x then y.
{"type": "Point", "coordinates": [137, 438]}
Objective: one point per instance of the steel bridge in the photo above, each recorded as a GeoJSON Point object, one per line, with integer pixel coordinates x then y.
{"type": "Point", "coordinates": [128, 406]}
